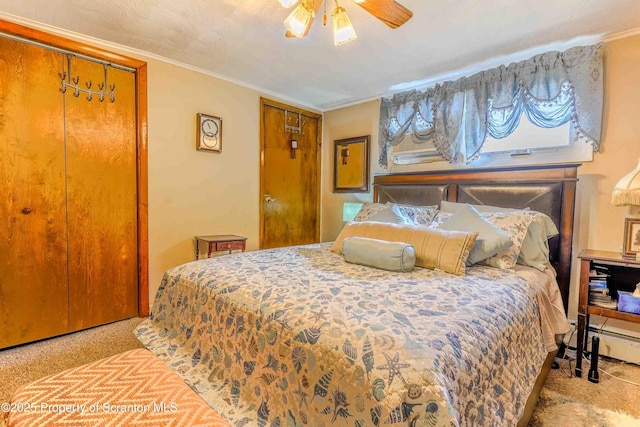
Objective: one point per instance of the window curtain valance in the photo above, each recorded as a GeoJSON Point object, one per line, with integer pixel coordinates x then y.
{"type": "Point", "coordinates": [551, 89]}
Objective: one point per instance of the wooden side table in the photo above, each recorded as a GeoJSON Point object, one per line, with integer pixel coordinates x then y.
{"type": "Point", "coordinates": [220, 242]}
{"type": "Point", "coordinates": [622, 275]}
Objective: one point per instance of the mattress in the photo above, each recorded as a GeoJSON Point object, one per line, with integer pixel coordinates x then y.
{"type": "Point", "coordinates": [296, 336]}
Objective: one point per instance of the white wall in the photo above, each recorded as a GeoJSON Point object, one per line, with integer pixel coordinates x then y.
{"type": "Point", "coordinates": [357, 120]}
{"type": "Point", "coordinates": [195, 192]}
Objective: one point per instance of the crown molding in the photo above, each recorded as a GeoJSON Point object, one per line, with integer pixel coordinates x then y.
{"type": "Point", "coordinates": [142, 54]}
{"type": "Point", "coordinates": [621, 35]}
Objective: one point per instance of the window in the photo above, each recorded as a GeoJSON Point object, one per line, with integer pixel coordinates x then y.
{"type": "Point", "coordinates": [560, 93]}
{"type": "Point", "coordinates": [528, 144]}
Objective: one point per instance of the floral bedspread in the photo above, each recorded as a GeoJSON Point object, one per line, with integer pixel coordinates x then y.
{"type": "Point", "coordinates": [296, 336]}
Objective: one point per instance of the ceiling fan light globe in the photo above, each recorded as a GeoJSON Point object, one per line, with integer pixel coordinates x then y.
{"type": "Point", "coordinates": [298, 21]}
{"type": "Point", "coordinates": [359, 1]}
{"type": "Point", "coordinates": [343, 31]}
{"type": "Point", "coordinates": [287, 3]}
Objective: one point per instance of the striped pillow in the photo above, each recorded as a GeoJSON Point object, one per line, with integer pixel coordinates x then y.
{"type": "Point", "coordinates": [435, 249]}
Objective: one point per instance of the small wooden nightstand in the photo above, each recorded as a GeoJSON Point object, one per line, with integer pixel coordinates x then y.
{"type": "Point", "coordinates": [221, 242]}
{"type": "Point", "coordinates": [622, 275]}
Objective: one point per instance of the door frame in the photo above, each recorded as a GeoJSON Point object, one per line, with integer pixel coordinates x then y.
{"type": "Point", "coordinates": [142, 186]}
{"type": "Point", "coordinates": [264, 102]}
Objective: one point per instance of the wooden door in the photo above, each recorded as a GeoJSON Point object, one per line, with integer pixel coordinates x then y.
{"type": "Point", "coordinates": [101, 182]}
{"type": "Point", "coordinates": [290, 187]}
{"type": "Point", "coordinates": [33, 250]}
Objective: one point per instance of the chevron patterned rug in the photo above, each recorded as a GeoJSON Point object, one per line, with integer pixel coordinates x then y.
{"type": "Point", "coordinates": [128, 389]}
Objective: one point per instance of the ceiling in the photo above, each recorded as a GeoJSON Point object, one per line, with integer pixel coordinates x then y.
{"type": "Point", "coordinates": [243, 40]}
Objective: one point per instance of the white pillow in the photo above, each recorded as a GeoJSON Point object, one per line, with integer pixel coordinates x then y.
{"type": "Point", "coordinates": [491, 239]}
{"type": "Point", "coordinates": [440, 218]}
{"type": "Point", "coordinates": [535, 246]}
{"type": "Point", "coordinates": [517, 225]}
{"type": "Point", "coordinates": [417, 215]}
{"type": "Point", "coordinates": [389, 214]}
{"type": "Point", "coordinates": [368, 209]}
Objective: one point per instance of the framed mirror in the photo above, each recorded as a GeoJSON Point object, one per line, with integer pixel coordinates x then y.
{"type": "Point", "coordinates": [351, 165]}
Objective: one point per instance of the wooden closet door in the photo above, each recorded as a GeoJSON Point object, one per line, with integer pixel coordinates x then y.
{"type": "Point", "coordinates": [102, 204]}
{"type": "Point", "coordinates": [33, 251]}
{"type": "Point", "coordinates": [290, 187]}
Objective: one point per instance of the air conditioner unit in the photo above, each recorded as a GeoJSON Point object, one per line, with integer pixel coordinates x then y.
{"type": "Point", "coordinates": [410, 157]}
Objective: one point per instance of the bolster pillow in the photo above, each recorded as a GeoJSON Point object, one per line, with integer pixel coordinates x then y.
{"type": "Point", "coordinates": [435, 249]}
{"type": "Point", "coordinates": [392, 256]}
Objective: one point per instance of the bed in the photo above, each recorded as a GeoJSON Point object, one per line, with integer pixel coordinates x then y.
{"type": "Point", "coordinates": [296, 336]}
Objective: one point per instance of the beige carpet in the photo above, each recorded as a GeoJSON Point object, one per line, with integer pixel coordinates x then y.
{"type": "Point", "coordinates": [570, 401]}
{"type": "Point", "coordinates": [556, 409]}
{"type": "Point", "coordinates": [23, 364]}
{"type": "Point", "coordinates": [609, 393]}
{"type": "Point", "coordinates": [565, 400]}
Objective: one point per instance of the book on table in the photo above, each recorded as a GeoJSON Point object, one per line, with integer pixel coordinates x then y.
{"type": "Point", "coordinates": [599, 291]}
{"type": "Point", "coordinates": [597, 284]}
{"type": "Point", "coordinates": [612, 305]}
{"type": "Point", "coordinates": [598, 274]}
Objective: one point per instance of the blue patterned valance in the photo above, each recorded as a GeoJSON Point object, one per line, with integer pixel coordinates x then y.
{"type": "Point", "coordinates": [551, 89]}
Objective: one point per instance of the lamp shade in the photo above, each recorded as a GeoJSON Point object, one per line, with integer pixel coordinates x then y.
{"type": "Point", "coordinates": [627, 190]}
{"type": "Point", "coordinates": [287, 3]}
{"type": "Point", "coordinates": [350, 210]}
{"type": "Point", "coordinates": [343, 31]}
{"type": "Point", "coordinates": [299, 20]}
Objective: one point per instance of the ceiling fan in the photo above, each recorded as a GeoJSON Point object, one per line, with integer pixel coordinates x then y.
{"type": "Point", "coordinates": [300, 19]}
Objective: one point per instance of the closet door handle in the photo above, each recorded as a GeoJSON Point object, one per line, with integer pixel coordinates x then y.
{"type": "Point", "coordinates": [26, 211]}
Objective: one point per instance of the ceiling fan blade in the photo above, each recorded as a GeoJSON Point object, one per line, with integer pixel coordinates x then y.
{"type": "Point", "coordinates": [388, 11]}
{"type": "Point", "coordinates": [316, 9]}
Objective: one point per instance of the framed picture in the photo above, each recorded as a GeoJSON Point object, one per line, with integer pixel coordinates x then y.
{"type": "Point", "coordinates": [351, 165]}
{"type": "Point", "coordinates": [209, 133]}
{"type": "Point", "coordinates": [631, 237]}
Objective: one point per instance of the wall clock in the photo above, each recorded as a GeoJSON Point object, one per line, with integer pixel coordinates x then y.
{"type": "Point", "coordinates": [209, 133]}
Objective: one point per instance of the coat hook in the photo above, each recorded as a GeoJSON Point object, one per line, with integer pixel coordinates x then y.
{"type": "Point", "coordinates": [67, 80]}
{"type": "Point", "coordinates": [295, 127]}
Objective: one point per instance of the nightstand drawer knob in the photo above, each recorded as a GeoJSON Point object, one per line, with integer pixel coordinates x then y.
{"type": "Point", "coordinates": [26, 211]}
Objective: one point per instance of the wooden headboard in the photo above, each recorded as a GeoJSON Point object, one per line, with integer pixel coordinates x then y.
{"type": "Point", "coordinates": [549, 189]}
